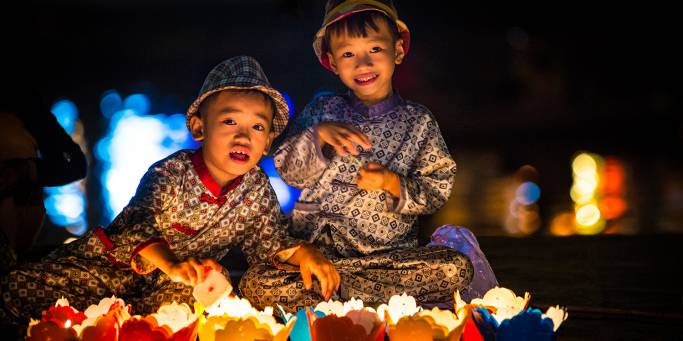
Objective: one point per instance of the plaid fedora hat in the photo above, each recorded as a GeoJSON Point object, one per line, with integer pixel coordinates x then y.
{"type": "Point", "coordinates": [241, 73]}
{"type": "Point", "coordinates": [336, 10]}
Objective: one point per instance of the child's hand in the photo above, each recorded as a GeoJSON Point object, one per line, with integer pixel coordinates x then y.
{"type": "Point", "coordinates": [312, 262]}
{"type": "Point", "coordinates": [191, 271]}
{"type": "Point", "coordinates": [375, 177]}
{"type": "Point", "coordinates": [342, 137]}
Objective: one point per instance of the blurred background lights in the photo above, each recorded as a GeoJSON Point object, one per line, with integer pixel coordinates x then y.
{"type": "Point", "coordinates": [598, 193]}
{"type": "Point", "coordinates": [66, 113]}
{"type": "Point", "coordinates": [65, 205]}
{"type": "Point", "coordinates": [135, 141]}
{"type": "Point", "coordinates": [286, 195]}
{"type": "Point", "coordinates": [110, 103]}
{"type": "Point", "coordinates": [528, 193]}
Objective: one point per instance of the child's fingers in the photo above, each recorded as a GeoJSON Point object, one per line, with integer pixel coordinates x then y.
{"type": "Point", "coordinates": [192, 267]}
{"type": "Point", "coordinates": [324, 283]}
{"type": "Point", "coordinates": [361, 139]}
{"type": "Point", "coordinates": [306, 276]}
{"type": "Point", "coordinates": [338, 146]}
{"type": "Point", "coordinates": [373, 166]}
{"type": "Point", "coordinates": [349, 145]}
{"type": "Point", "coordinates": [210, 262]}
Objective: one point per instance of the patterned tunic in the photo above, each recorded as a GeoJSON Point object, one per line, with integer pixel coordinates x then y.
{"type": "Point", "coordinates": [370, 237]}
{"type": "Point", "coordinates": [405, 139]}
{"type": "Point", "coordinates": [177, 203]}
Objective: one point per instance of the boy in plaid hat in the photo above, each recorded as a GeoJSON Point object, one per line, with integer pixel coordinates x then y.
{"type": "Point", "coordinates": [369, 163]}
{"type": "Point", "coordinates": [190, 208]}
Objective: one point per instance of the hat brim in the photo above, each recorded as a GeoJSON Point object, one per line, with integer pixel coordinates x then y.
{"type": "Point", "coordinates": [403, 32]}
{"type": "Point", "coordinates": [280, 117]}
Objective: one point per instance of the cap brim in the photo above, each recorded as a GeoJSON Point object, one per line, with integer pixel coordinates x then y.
{"type": "Point", "coordinates": [403, 32]}
{"type": "Point", "coordinates": [281, 108]}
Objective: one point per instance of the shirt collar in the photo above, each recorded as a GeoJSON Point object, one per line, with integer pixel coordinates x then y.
{"type": "Point", "coordinates": [206, 178]}
{"type": "Point", "coordinates": [377, 109]}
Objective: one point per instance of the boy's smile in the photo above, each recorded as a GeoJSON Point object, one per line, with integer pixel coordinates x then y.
{"type": "Point", "coordinates": [366, 64]}
{"type": "Point", "coordinates": [235, 127]}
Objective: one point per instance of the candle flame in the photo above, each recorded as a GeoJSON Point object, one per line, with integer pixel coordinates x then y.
{"type": "Point", "coordinates": [67, 324]}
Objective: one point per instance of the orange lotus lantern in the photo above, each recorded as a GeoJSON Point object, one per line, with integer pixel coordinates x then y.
{"type": "Point", "coordinates": [344, 328]}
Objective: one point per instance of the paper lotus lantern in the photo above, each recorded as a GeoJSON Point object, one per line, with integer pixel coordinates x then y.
{"type": "Point", "coordinates": [56, 323]}
{"type": "Point", "coordinates": [398, 307]}
{"type": "Point", "coordinates": [503, 302]}
{"type": "Point", "coordinates": [301, 330]}
{"type": "Point", "coordinates": [434, 324]}
{"type": "Point", "coordinates": [248, 328]}
{"type": "Point", "coordinates": [343, 328]}
{"type": "Point", "coordinates": [234, 306]}
{"type": "Point", "coordinates": [171, 322]}
{"type": "Point", "coordinates": [501, 315]}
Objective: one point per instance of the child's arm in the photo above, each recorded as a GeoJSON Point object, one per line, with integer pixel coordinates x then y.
{"type": "Point", "coordinates": [190, 271]}
{"type": "Point", "coordinates": [137, 228]}
{"type": "Point", "coordinates": [299, 159]}
{"type": "Point", "coordinates": [267, 241]}
{"type": "Point", "coordinates": [427, 186]}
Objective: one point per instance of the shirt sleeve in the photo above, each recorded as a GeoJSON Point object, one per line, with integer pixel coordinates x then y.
{"type": "Point", "coordinates": [138, 225]}
{"type": "Point", "coordinates": [267, 239]}
{"type": "Point", "coordinates": [428, 185]}
{"type": "Point", "coordinates": [299, 159]}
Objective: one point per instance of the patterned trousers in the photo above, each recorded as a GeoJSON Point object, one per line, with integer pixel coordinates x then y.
{"type": "Point", "coordinates": [32, 288]}
{"type": "Point", "coordinates": [430, 274]}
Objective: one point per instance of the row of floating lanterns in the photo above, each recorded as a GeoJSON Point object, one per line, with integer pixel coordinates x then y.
{"type": "Point", "coordinates": [499, 315]}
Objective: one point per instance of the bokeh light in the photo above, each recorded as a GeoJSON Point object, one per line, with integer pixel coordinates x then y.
{"type": "Point", "coordinates": [65, 205]}
{"type": "Point", "coordinates": [134, 142]}
{"type": "Point", "coordinates": [66, 113]}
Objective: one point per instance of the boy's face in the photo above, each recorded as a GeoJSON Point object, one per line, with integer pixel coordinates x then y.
{"type": "Point", "coordinates": [236, 130]}
{"type": "Point", "coordinates": [366, 64]}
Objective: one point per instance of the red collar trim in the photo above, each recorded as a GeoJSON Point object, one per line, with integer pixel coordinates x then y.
{"type": "Point", "coordinates": [207, 179]}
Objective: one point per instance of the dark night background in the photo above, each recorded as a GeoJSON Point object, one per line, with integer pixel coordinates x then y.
{"type": "Point", "coordinates": [510, 85]}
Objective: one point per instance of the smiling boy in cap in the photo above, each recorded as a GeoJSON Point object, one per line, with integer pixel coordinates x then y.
{"type": "Point", "coordinates": [190, 208]}
{"type": "Point", "coordinates": [369, 163]}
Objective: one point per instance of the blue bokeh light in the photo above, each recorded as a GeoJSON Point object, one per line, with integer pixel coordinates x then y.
{"type": "Point", "coordinates": [65, 205]}
{"type": "Point", "coordinates": [66, 113]}
{"type": "Point", "coordinates": [133, 143]}
{"type": "Point", "coordinates": [528, 193]}
{"type": "Point", "coordinates": [286, 195]}
{"type": "Point", "coordinates": [110, 103]}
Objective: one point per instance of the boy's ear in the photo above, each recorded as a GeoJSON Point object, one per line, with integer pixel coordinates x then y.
{"type": "Point", "coordinates": [197, 128]}
{"type": "Point", "coordinates": [271, 137]}
{"type": "Point", "coordinates": [400, 52]}
{"type": "Point", "coordinates": [333, 64]}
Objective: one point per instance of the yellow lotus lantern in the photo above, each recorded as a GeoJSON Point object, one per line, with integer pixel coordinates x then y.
{"type": "Point", "coordinates": [399, 306]}
{"type": "Point", "coordinates": [233, 318]}
{"type": "Point", "coordinates": [434, 324]}
{"type": "Point", "coordinates": [557, 315]}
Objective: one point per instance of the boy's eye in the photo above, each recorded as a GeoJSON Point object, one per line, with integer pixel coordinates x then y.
{"type": "Point", "coordinates": [347, 54]}
{"type": "Point", "coordinates": [259, 127]}
{"type": "Point", "coordinates": [229, 122]}
{"type": "Point", "coordinates": [376, 49]}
